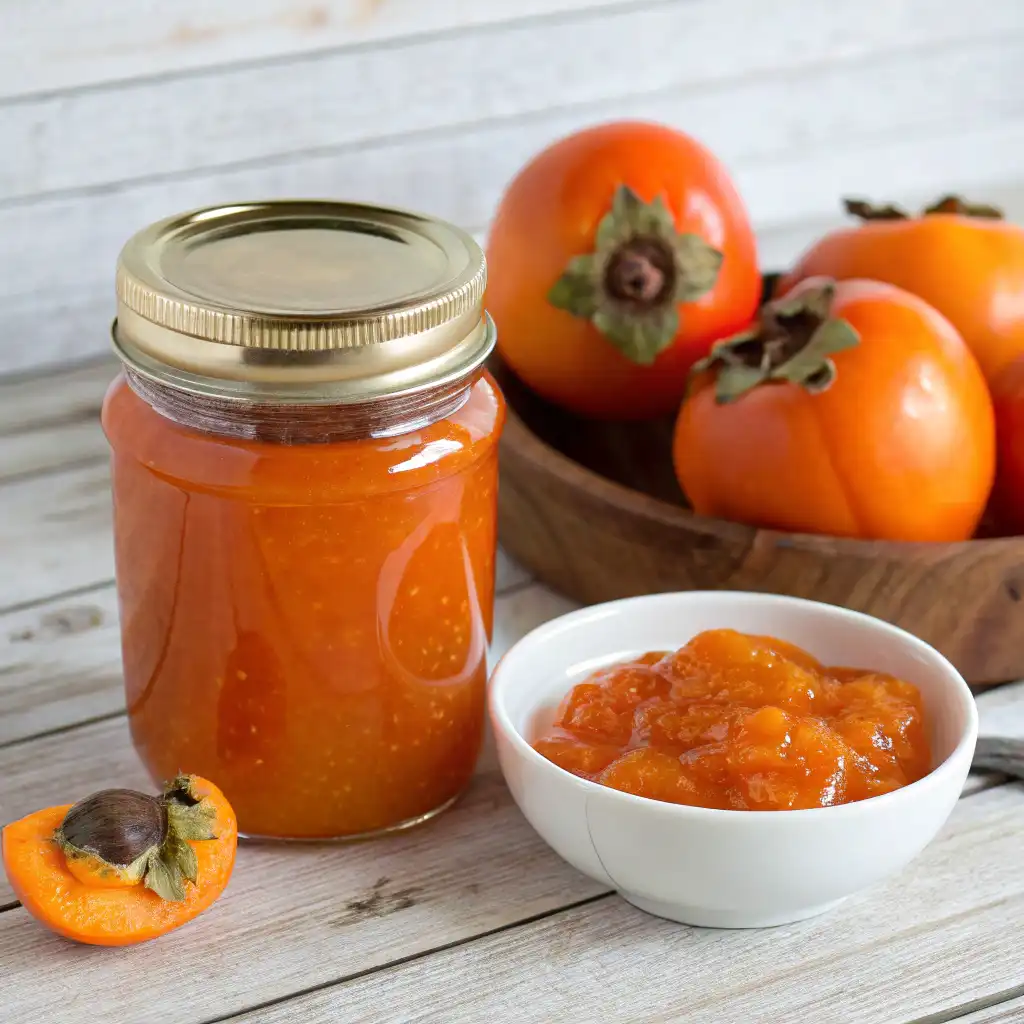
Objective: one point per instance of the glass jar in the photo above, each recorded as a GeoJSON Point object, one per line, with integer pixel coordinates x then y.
{"type": "Point", "coordinates": [304, 478]}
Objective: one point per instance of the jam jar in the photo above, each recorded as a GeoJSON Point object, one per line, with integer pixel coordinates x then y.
{"type": "Point", "coordinates": [304, 457]}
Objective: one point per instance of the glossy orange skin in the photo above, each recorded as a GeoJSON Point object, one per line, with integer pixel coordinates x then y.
{"type": "Point", "coordinates": [550, 213]}
{"type": "Point", "coordinates": [900, 447]}
{"type": "Point", "coordinates": [740, 722]}
{"type": "Point", "coordinates": [307, 624]}
{"type": "Point", "coordinates": [1008, 493]}
{"type": "Point", "coordinates": [970, 269]}
{"type": "Point", "coordinates": [105, 915]}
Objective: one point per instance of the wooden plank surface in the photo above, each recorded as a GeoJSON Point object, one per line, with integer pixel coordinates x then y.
{"type": "Point", "coordinates": [791, 120]}
{"type": "Point", "coordinates": [470, 918]}
{"type": "Point", "coordinates": [71, 395]}
{"type": "Point", "coordinates": [477, 869]}
{"type": "Point", "coordinates": [51, 422]}
{"type": "Point", "coordinates": [62, 44]}
{"type": "Point", "coordinates": [294, 915]}
{"type": "Point", "coordinates": [60, 663]}
{"type": "Point", "coordinates": [1010, 1011]}
{"type": "Point", "coordinates": [460, 178]}
{"type": "Point", "coordinates": [481, 868]}
{"type": "Point", "coordinates": [936, 935]}
{"type": "Point", "coordinates": [59, 45]}
{"type": "Point", "coordinates": [55, 533]}
{"type": "Point", "coordinates": [923, 76]}
{"type": "Point", "coordinates": [812, 100]}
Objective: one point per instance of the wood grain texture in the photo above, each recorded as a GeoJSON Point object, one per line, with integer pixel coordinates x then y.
{"type": "Point", "coordinates": [476, 869]}
{"type": "Point", "coordinates": [60, 663]}
{"type": "Point", "coordinates": [901, 102]}
{"type": "Point", "coordinates": [932, 938]}
{"type": "Point", "coordinates": [460, 173]}
{"type": "Point", "coordinates": [693, 67]}
{"type": "Point", "coordinates": [606, 521]}
{"type": "Point", "coordinates": [1001, 711]}
{"type": "Point", "coordinates": [294, 916]}
{"type": "Point", "coordinates": [68, 396]}
{"type": "Point", "coordinates": [52, 422]}
{"type": "Point", "coordinates": [459, 178]}
{"type": "Point", "coordinates": [1009, 1012]}
{"type": "Point", "coordinates": [299, 917]}
{"type": "Point", "coordinates": [62, 44]}
{"type": "Point", "coordinates": [45, 449]}
{"type": "Point", "coordinates": [55, 533]}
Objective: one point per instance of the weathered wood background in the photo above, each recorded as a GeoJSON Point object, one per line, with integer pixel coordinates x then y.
{"type": "Point", "coordinates": [114, 114]}
{"type": "Point", "coordinates": [471, 918]}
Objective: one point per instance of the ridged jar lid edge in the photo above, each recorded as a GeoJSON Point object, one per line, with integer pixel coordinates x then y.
{"type": "Point", "coordinates": [312, 297]}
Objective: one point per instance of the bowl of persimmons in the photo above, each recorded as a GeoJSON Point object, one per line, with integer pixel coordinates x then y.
{"type": "Point", "coordinates": [850, 430]}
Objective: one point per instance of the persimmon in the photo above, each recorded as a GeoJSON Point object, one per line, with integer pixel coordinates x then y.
{"type": "Point", "coordinates": [1008, 493]}
{"type": "Point", "coordinates": [853, 408]}
{"type": "Point", "coordinates": [724, 729]}
{"type": "Point", "coordinates": [616, 257]}
{"type": "Point", "coordinates": [121, 867]}
{"type": "Point", "coordinates": [577, 756]}
{"type": "Point", "coordinates": [961, 258]}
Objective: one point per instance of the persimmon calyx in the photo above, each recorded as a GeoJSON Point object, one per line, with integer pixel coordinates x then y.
{"type": "Point", "coordinates": [869, 211]}
{"type": "Point", "coordinates": [119, 837]}
{"type": "Point", "coordinates": [793, 343]}
{"type": "Point", "coordinates": [640, 271]}
{"type": "Point", "coordinates": [957, 204]}
{"type": "Point", "coordinates": [946, 204]}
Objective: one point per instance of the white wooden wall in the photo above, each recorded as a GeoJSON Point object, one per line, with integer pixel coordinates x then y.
{"type": "Point", "coordinates": [116, 112]}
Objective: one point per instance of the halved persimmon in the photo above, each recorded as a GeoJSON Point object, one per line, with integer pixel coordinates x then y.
{"type": "Point", "coordinates": [121, 867]}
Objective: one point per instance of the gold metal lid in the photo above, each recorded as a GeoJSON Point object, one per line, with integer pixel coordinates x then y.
{"type": "Point", "coordinates": [302, 301]}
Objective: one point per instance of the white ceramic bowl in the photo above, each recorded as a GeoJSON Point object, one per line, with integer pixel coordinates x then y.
{"type": "Point", "coordinates": [729, 869]}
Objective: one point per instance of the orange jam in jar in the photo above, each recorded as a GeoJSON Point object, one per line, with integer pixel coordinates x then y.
{"type": "Point", "coordinates": [740, 722]}
{"type": "Point", "coordinates": [305, 477]}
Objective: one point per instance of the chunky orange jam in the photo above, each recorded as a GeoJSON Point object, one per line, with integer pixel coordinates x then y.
{"type": "Point", "coordinates": [306, 624]}
{"type": "Point", "coordinates": [741, 722]}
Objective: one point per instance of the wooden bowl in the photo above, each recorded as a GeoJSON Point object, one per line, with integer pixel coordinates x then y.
{"type": "Point", "coordinates": [593, 509]}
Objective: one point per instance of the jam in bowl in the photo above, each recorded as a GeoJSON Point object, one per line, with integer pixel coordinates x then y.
{"type": "Point", "coordinates": [742, 833]}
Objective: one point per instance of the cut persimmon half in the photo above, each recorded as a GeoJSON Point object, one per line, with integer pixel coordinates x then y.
{"type": "Point", "coordinates": [120, 867]}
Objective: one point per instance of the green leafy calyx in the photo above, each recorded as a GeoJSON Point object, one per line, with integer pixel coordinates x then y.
{"type": "Point", "coordinates": [947, 204]}
{"type": "Point", "coordinates": [793, 342]}
{"type": "Point", "coordinates": [640, 271]}
{"type": "Point", "coordinates": [137, 838]}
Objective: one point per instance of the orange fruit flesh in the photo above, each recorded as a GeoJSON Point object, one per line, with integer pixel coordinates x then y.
{"type": "Point", "coordinates": [741, 722]}
{"type": "Point", "coordinates": [104, 915]}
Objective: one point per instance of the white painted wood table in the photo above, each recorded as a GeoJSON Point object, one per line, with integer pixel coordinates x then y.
{"type": "Point", "coordinates": [470, 918]}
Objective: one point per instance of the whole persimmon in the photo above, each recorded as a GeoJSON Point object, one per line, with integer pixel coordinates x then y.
{"type": "Point", "coordinates": [617, 256]}
{"type": "Point", "coordinates": [961, 258]}
{"type": "Point", "coordinates": [853, 408]}
{"type": "Point", "coordinates": [1008, 494]}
